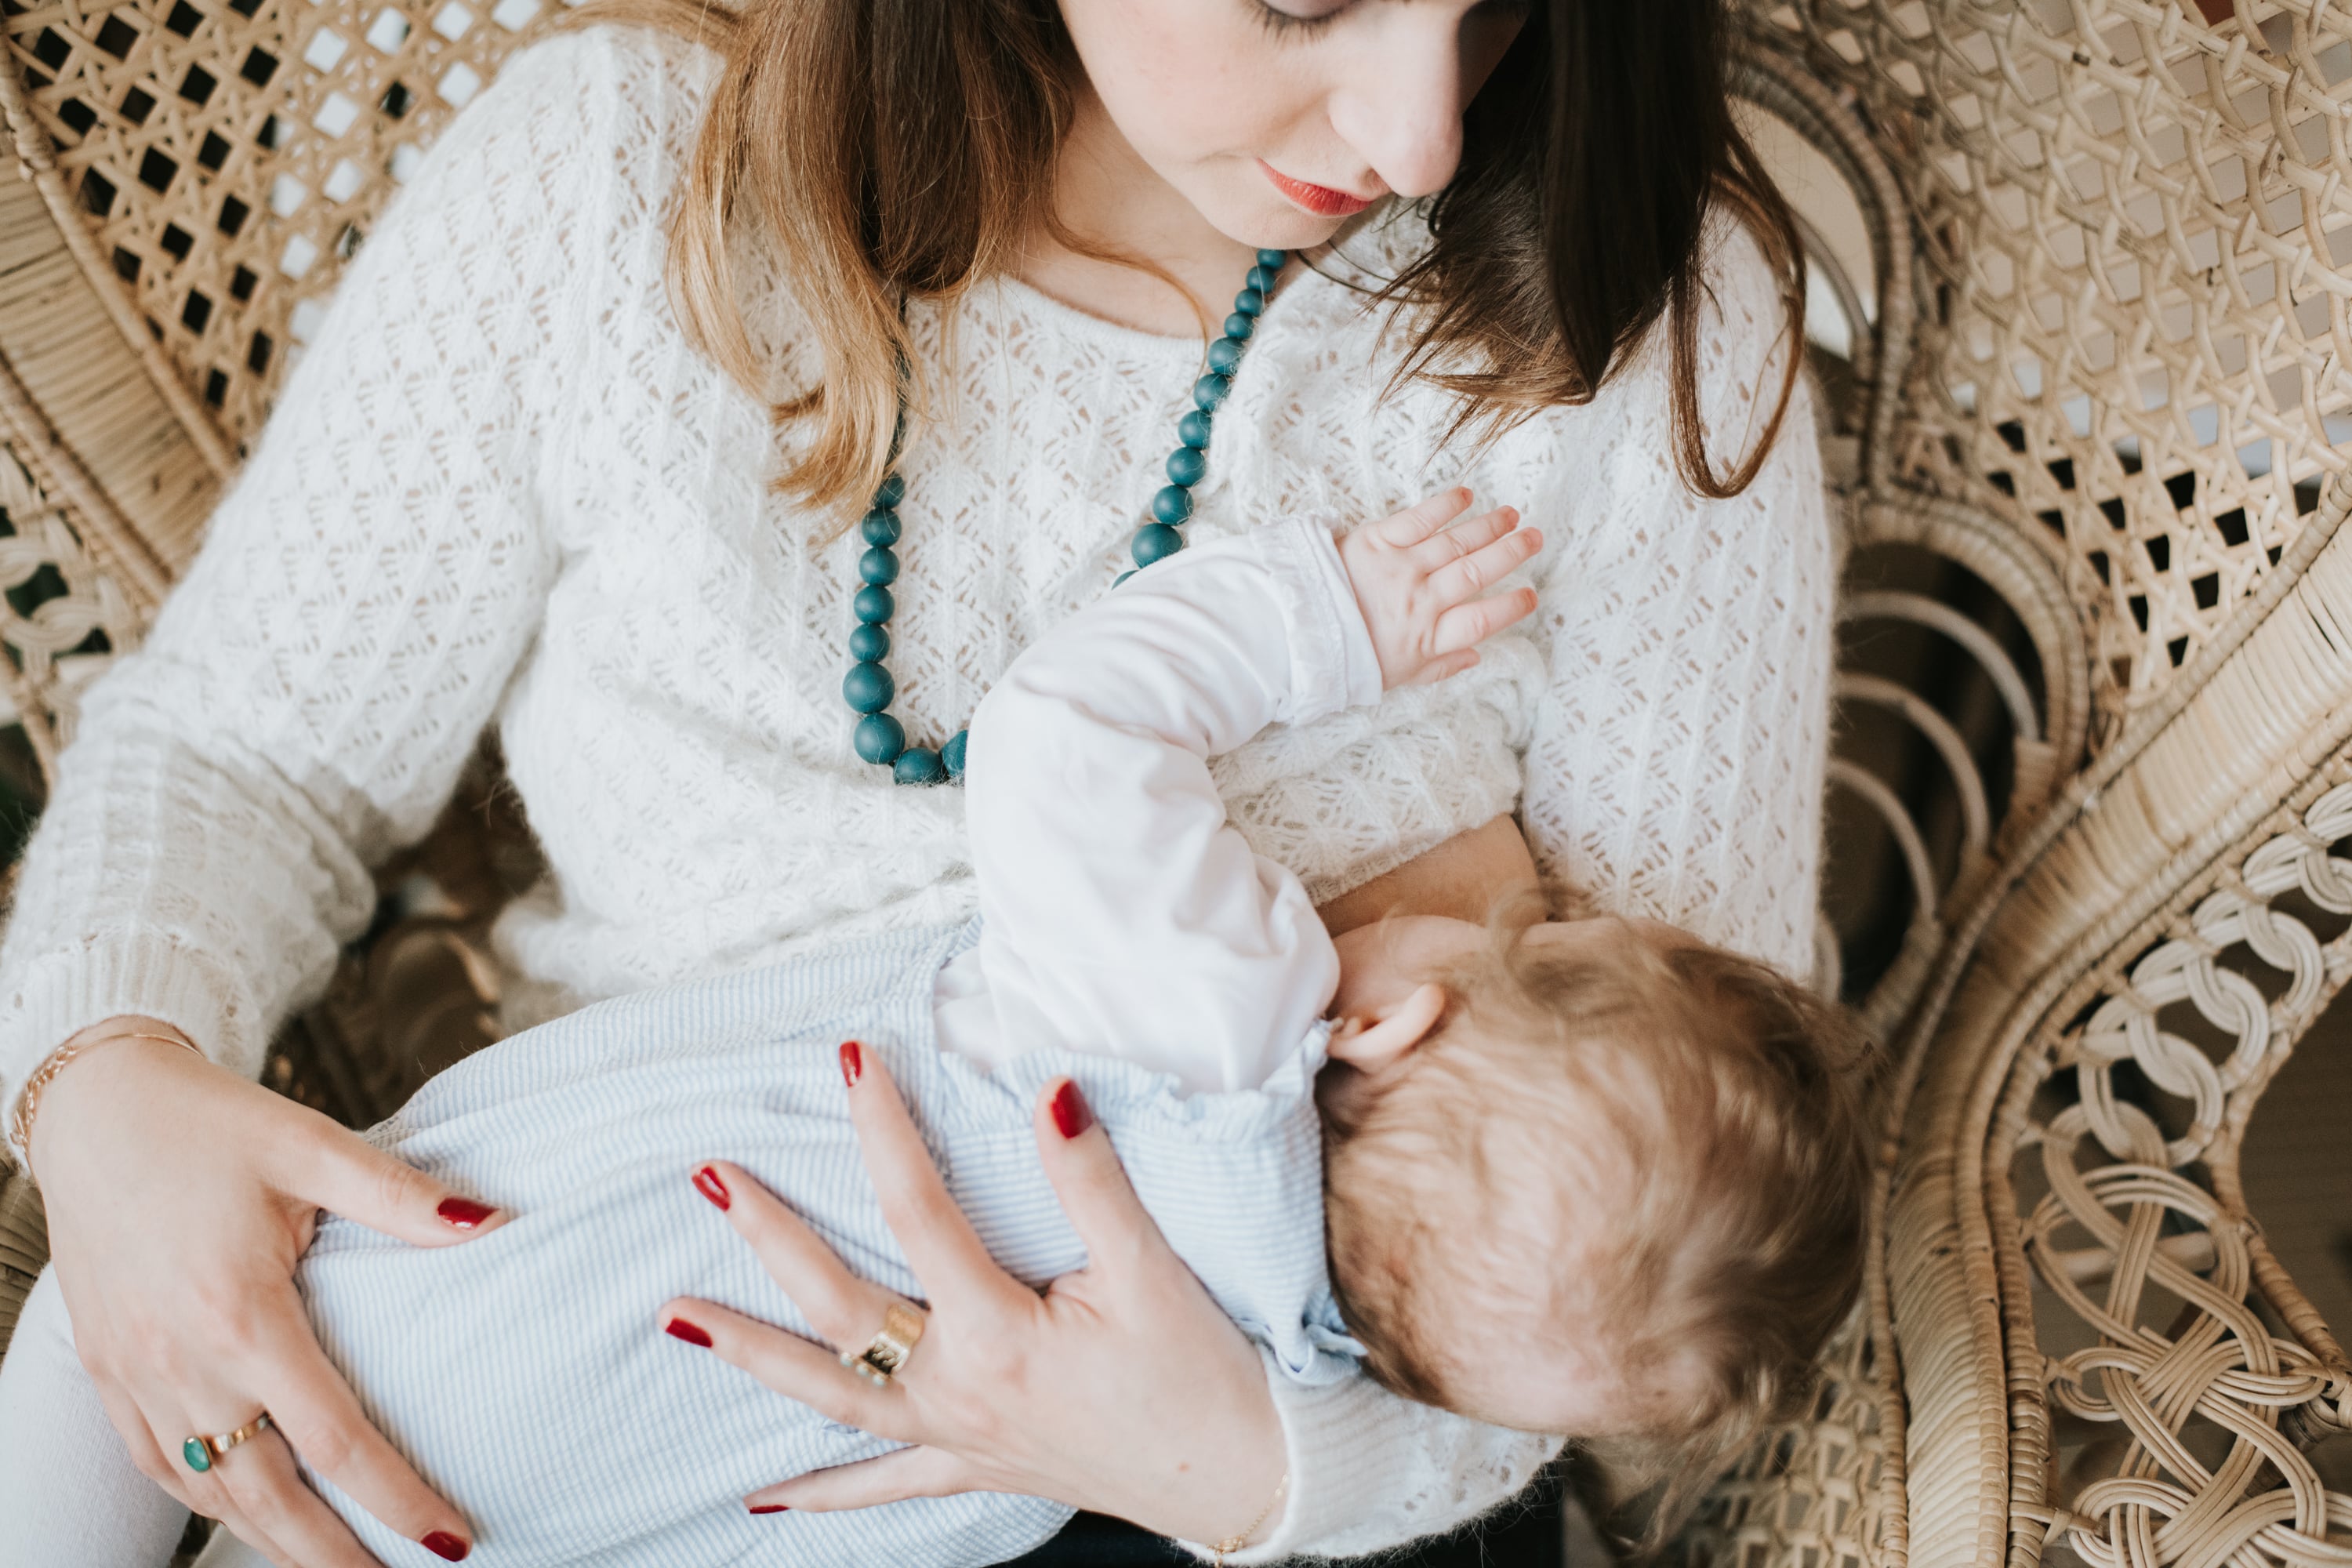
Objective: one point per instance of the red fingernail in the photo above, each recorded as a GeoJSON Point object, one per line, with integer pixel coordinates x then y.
{"type": "Point", "coordinates": [1071, 1116]}
{"type": "Point", "coordinates": [679, 1328]}
{"type": "Point", "coordinates": [445, 1546]}
{"type": "Point", "coordinates": [772, 1507]}
{"type": "Point", "coordinates": [465, 1214]}
{"type": "Point", "coordinates": [853, 1062]}
{"type": "Point", "coordinates": [706, 1182]}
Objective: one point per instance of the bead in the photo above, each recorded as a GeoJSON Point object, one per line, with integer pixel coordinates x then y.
{"type": "Point", "coordinates": [917, 765]}
{"type": "Point", "coordinates": [879, 739]}
{"type": "Point", "coordinates": [868, 689]}
{"type": "Point", "coordinates": [1155, 541]}
{"type": "Point", "coordinates": [1122, 577]}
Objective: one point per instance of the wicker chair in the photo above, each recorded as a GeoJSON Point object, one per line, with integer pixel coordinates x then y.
{"type": "Point", "coordinates": [2083, 334]}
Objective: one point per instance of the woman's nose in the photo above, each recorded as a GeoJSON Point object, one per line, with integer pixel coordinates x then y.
{"type": "Point", "coordinates": [1398, 103]}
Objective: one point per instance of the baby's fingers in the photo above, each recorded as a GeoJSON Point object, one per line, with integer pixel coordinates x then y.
{"type": "Point", "coordinates": [1450, 545]}
{"type": "Point", "coordinates": [1491, 563]}
{"type": "Point", "coordinates": [1418, 522]}
{"type": "Point", "coordinates": [1445, 667]}
{"type": "Point", "coordinates": [1465, 627]}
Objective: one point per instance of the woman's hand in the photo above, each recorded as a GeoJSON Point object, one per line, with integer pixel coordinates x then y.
{"type": "Point", "coordinates": [1122, 1389]}
{"type": "Point", "coordinates": [180, 1197]}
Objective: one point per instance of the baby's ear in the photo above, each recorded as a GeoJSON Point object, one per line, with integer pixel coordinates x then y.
{"type": "Point", "coordinates": [1375, 1040]}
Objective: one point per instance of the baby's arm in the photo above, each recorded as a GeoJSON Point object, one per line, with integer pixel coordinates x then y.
{"type": "Point", "coordinates": [1122, 913]}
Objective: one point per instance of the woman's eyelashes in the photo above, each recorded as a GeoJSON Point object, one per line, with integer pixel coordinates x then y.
{"type": "Point", "coordinates": [1296, 16]}
{"type": "Point", "coordinates": [1281, 16]}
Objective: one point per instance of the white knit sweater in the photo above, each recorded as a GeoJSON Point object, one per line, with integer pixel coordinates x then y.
{"type": "Point", "coordinates": [500, 488]}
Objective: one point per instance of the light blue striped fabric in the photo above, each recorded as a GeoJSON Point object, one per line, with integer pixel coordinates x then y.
{"type": "Point", "coordinates": [525, 1373]}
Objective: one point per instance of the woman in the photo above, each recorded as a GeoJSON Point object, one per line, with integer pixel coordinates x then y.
{"type": "Point", "coordinates": [574, 454]}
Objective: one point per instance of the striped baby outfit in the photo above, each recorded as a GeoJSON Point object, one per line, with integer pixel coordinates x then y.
{"type": "Point", "coordinates": [526, 1374]}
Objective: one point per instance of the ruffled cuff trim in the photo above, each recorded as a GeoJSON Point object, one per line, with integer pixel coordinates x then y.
{"type": "Point", "coordinates": [1332, 662]}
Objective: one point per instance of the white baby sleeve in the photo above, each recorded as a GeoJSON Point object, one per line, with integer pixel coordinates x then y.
{"type": "Point", "coordinates": [1121, 914]}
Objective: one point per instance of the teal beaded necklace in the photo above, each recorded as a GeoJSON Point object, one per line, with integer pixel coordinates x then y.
{"type": "Point", "coordinates": [869, 689]}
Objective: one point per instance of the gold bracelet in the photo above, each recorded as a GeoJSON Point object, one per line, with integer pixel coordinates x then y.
{"type": "Point", "coordinates": [20, 1128]}
{"type": "Point", "coordinates": [1235, 1543]}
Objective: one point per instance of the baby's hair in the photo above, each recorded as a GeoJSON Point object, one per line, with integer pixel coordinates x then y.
{"type": "Point", "coordinates": [1711, 1117]}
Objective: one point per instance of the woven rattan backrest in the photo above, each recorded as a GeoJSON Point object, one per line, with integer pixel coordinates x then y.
{"type": "Point", "coordinates": [225, 157]}
{"type": "Point", "coordinates": [196, 174]}
{"type": "Point", "coordinates": [2134, 278]}
{"type": "Point", "coordinates": [2131, 287]}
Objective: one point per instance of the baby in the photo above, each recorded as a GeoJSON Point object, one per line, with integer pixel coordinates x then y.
{"type": "Point", "coordinates": [1586, 1177]}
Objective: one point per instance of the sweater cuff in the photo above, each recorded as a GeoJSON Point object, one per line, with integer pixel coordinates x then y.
{"type": "Point", "coordinates": [1332, 661]}
{"type": "Point", "coordinates": [57, 994]}
{"type": "Point", "coordinates": [1364, 1477]}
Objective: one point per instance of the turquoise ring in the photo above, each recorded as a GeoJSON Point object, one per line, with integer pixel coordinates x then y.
{"type": "Point", "coordinates": [201, 1453]}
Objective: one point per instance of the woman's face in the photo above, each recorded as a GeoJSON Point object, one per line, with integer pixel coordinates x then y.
{"type": "Point", "coordinates": [1278, 120]}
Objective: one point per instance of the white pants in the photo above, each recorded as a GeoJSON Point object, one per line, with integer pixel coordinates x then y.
{"type": "Point", "coordinates": [69, 1492]}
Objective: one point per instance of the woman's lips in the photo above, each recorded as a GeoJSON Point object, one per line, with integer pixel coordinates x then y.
{"type": "Point", "coordinates": [1319, 199]}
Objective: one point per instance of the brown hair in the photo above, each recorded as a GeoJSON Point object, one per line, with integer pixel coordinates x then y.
{"type": "Point", "coordinates": [897, 149]}
{"type": "Point", "coordinates": [1720, 1110]}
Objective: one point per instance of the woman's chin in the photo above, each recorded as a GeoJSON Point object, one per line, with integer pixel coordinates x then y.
{"type": "Point", "coordinates": [1248, 210]}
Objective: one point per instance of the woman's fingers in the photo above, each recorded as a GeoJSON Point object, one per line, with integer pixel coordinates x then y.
{"type": "Point", "coordinates": [789, 1364]}
{"type": "Point", "coordinates": [139, 1439]}
{"type": "Point", "coordinates": [1489, 562]}
{"type": "Point", "coordinates": [345, 1174]}
{"type": "Point", "coordinates": [1418, 522]}
{"type": "Point", "coordinates": [259, 1476]}
{"type": "Point", "coordinates": [1465, 627]}
{"type": "Point", "coordinates": [315, 1411]}
{"type": "Point", "coordinates": [1120, 1239]}
{"type": "Point", "coordinates": [893, 1478]}
{"type": "Point", "coordinates": [931, 1230]}
{"type": "Point", "coordinates": [161, 1416]}
{"type": "Point", "coordinates": [843, 1309]}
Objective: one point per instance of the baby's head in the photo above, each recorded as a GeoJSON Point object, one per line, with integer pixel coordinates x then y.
{"type": "Point", "coordinates": [1598, 1179]}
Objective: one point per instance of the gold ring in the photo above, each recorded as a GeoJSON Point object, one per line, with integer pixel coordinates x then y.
{"type": "Point", "coordinates": [201, 1453]}
{"type": "Point", "coordinates": [902, 1326]}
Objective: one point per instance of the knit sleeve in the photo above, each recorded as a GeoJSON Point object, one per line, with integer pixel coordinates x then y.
{"type": "Point", "coordinates": [1370, 1470]}
{"type": "Point", "coordinates": [1676, 759]}
{"type": "Point", "coordinates": [308, 696]}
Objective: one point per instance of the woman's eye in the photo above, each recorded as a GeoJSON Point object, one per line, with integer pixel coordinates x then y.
{"type": "Point", "coordinates": [1282, 16]}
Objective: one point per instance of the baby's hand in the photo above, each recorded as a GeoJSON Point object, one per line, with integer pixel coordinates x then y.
{"type": "Point", "coordinates": [1417, 581]}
